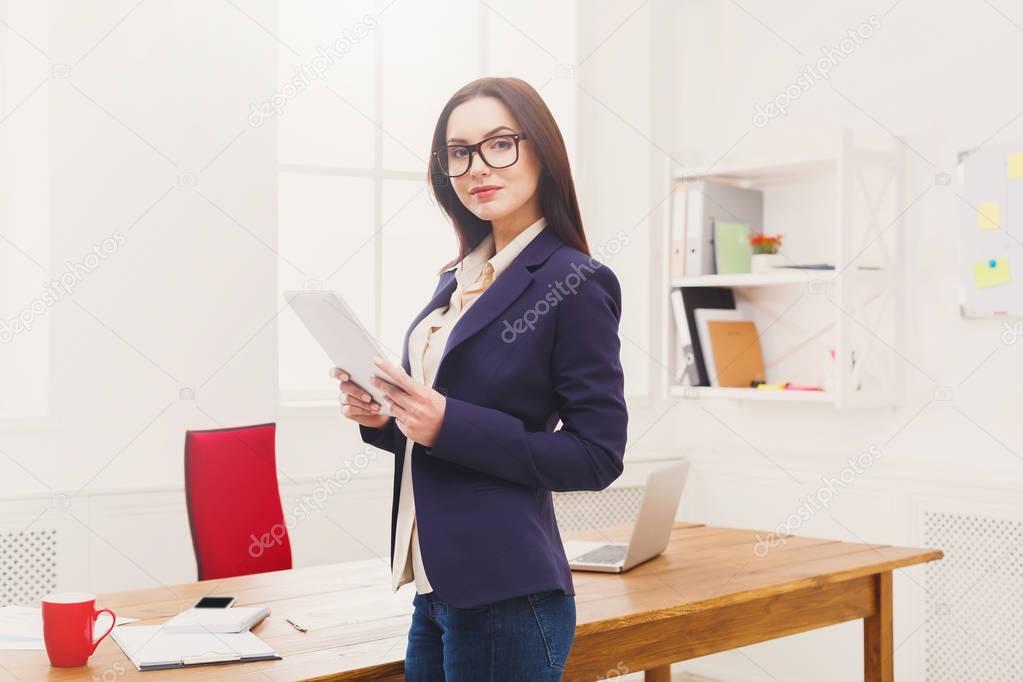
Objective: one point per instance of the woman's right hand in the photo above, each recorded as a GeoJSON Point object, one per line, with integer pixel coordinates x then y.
{"type": "Point", "coordinates": [356, 403]}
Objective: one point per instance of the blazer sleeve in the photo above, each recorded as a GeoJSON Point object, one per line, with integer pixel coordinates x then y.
{"type": "Point", "coordinates": [587, 452]}
{"type": "Point", "coordinates": [383, 438]}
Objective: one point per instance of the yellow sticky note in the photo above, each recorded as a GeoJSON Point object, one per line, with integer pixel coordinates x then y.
{"type": "Point", "coordinates": [989, 215]}
{"type": "Point", "coordinates": [1016, 166]}
{"type": "Point", "coordinates": [991, 273]}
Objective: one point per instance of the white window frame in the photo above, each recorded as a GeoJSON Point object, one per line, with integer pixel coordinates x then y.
{"type": "Point", "coordinates": [311, 403]}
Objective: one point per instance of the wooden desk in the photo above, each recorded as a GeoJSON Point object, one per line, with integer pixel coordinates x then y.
{"type": "Point", "coordinates": [709, 592]}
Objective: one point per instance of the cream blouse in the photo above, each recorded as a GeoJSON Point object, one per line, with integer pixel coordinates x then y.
{"type": "Point", "coordinates": [473, 275]}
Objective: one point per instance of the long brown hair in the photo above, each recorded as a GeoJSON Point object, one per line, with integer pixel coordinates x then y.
{"type": "Point", "coordinates": [557, 191]}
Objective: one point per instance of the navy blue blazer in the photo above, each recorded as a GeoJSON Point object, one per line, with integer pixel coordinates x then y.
{"type": "Point", "coordinates": [541, 343]}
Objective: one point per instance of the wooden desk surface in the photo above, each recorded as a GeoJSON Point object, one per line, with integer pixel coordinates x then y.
{"type": "Point", "coordinates": [705, 571]}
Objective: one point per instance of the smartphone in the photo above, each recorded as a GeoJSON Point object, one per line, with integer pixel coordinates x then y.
{"type": "Point", "coordinates": [214, 602]}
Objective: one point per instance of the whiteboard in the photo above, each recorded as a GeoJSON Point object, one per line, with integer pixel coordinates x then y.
{"type": "Point", "coordinates": [991, 233]}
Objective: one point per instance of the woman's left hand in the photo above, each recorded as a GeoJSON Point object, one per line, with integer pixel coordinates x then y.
{"type": "Point", "coordinates": [418, 411]}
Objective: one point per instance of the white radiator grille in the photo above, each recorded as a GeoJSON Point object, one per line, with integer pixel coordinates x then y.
{"type": "Point", "coordinates": [974, 628]}
{"type": "Point", "coordinates": [582, 509]}
{"type": "Point", "coordinates": [28, 565]}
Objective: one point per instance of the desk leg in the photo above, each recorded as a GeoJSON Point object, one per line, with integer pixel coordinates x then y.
{"type": "Point", "coordinates": [878, 648]}
{"type": "Point", "coordinates": [661, 673]}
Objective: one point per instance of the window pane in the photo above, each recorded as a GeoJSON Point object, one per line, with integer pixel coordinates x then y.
{"type": "Point", "coordinates": [417, 240]}
{"type": "Point", "coordinates": [24, 338]}
{"type": "Point", "coordinates": [428, 54]}
{"type": "Point", "coordinates": [326, 231]}
{"type": "Point", "coordinates": [529, 38]}
{"type": "Point", "coordinates": [26, 297]}
{"type": "Point", "coordinates": [533, 40]}
{"type": "Point", "coordinates": [324, 102]}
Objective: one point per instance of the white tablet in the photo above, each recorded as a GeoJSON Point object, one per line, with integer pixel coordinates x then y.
{"type": "Point", "coordinates": [337, 329]}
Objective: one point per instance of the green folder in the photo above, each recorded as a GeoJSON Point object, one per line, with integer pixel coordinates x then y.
{"type": "Point", "coordinates": [732, 253]}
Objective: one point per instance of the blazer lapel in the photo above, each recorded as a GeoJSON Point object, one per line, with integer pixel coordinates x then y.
{"type": "Point", "coordinates": [492, 302]}
{"type": "Point", "coordinates": [498, 296]}
{"type": "Point", "coordinates": [503, 292]}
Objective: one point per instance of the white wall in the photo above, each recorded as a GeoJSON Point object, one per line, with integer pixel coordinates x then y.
{"type": "Point", "coordinates": [934, 73]}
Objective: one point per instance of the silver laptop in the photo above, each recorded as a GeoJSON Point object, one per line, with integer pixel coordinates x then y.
{"type": "Point", "coordinates": [651, 533]}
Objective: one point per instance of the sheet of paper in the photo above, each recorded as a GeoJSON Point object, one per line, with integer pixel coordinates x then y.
{"type": "Point", "coordinates": [991, 273]}
{"type": "Point", "coordinates": [1015, 166]}
{"type": "Point", "coordinates": [361, 606]}
{"type": "Point", "coordinates": [21, 627]}
{"type": "Point", "coordinates": [989, 215]}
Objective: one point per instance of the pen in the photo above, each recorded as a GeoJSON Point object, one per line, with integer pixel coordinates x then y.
{"type": "Point", "coordinates": [296, 625]}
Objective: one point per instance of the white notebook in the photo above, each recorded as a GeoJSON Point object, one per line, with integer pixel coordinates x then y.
{"type": "Point", "coordinates": [237, 619]}
{"type": "Point", "coordinates": [150, 647]}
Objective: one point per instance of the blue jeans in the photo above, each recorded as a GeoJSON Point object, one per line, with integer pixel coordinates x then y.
{"type": "Point", "coordinates": [523, 638]}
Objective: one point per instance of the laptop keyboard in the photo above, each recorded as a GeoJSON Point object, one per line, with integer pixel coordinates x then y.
{"type": "Point", "coordinates": [608, 554]}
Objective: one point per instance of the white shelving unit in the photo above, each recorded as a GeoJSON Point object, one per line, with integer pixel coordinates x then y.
{"type": "Point", "coordinates": [714, 392]}
{"type": "Point", "coordinates": [838, 327]}
{"type": "Point", "coordinates": [780, 277]}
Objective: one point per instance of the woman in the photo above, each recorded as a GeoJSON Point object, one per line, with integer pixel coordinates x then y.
{"type": "Point", "coordinates": [522, 330]}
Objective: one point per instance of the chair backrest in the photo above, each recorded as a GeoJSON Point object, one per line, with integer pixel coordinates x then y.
{"type": "Point", "coordinates": [234, 503]}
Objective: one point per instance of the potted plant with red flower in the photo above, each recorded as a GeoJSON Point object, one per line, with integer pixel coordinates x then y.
{"type": "Point", "coordinates": [766, 252]}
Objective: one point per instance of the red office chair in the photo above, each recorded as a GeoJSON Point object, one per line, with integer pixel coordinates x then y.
{"type": "Point", "coordinates": [234, 504]}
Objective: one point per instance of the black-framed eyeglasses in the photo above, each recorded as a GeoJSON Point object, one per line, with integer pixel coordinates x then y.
{"type": "Point", "coordinates": [499, 151]}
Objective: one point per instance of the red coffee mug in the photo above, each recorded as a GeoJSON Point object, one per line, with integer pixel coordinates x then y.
{"type": "Point", "coordinates": [68, 624]}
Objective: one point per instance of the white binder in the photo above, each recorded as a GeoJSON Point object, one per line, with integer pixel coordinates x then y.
{"type": "Point", "coordinates": [150, 647]}
{"type": "Point", "coordinates": [235, 619]}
